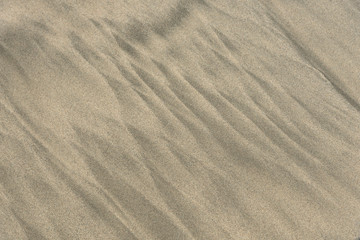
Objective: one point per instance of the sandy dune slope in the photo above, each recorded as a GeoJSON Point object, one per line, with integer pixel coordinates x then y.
{"type": "Point", "coordinates": [182, 119]}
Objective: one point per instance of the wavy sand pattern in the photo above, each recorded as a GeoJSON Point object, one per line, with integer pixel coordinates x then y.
{"type": "Point", "coordinates": [186, 119]}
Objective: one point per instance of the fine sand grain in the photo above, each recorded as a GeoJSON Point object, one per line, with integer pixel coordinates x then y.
{"type": "Point", "coordinates": [181, 119]}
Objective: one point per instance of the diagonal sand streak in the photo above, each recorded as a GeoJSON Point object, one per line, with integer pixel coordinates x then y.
{"type": "Point", "coordinates": [179, 120]}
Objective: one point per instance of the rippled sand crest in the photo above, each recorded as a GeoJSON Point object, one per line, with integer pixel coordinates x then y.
{"type": "Point", "coordinates": [203, 119]}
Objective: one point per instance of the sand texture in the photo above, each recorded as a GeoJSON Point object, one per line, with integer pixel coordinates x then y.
{"type": "Point", "coordinates": [179, 119]}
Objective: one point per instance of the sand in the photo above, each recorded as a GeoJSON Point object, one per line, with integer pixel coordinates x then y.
{"type": "Point", "coordinates": [187, 119]}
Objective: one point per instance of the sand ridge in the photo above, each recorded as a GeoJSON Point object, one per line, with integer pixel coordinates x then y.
{"type": "Point", "coordinates": [180, 119]}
